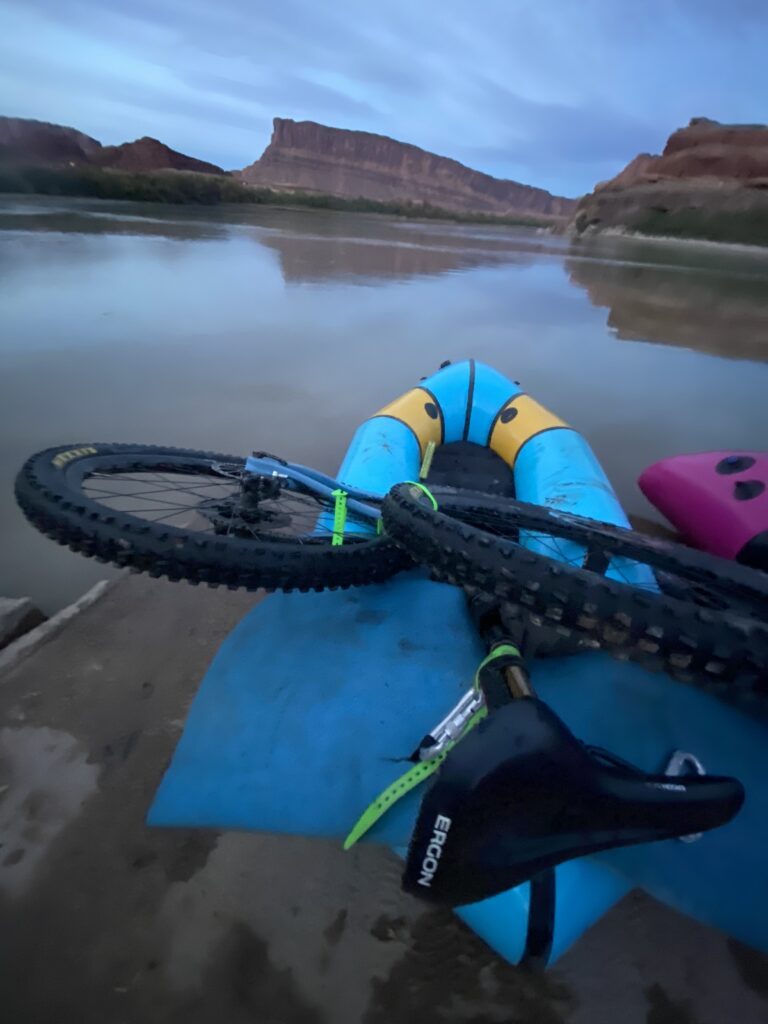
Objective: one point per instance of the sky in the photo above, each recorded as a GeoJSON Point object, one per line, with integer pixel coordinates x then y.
{"type": "Point", "coordinates": [555, 93]}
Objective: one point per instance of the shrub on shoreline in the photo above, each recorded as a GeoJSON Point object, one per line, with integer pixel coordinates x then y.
{"type": "Point", "coordinates": [208, 190]}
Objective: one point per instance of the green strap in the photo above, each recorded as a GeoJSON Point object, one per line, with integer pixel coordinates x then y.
{"type": "Point", "coordinates": [500, 651]}
{"type": "Point", "coordinates": [422, 771]}
{"type": "Point", "coordinates": [425, 489]}
{"type": "Point", "coordinates": [426, 464]}
{"type": "Point", "coordinates": [415, 775]}
{"type": "Point", "coordinates": [410, 483]}
{"type": "Point", "coordinates": [339, 516]}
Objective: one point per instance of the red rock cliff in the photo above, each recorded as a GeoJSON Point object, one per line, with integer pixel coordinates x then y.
{"type": "Point", "coordinates": [309, 157]}
{"type": "Point", "coordinates": [705, 149]}
{"type": "Point", "coordinates": [712, 177]}
{"type": "Point", "coordinates": [23, 139]}
{"type": "Point", "coordinates": [148, 154]}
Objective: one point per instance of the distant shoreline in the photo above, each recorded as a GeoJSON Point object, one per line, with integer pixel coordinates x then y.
{"type": "Point", "coordinates": [752, 249]}
{"type": "Point", "coordinates": [188, 188]}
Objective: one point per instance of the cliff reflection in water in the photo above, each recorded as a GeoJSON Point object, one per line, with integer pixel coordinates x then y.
{"type": "Point", "coordinates": [673, 304]}
{"type": "Point", "coordinates": [100, 217]}
{"type": "Point", "coordinates": [308, 258]}
{"type": "Point", "coordinates": [311, 245]}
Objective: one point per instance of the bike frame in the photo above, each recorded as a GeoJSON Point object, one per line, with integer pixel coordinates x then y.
{"type": "Point", "coordinates": [361, 503]}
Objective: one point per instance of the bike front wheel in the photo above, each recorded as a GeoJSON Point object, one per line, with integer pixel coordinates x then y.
{"type": "Point", "coordinates": [197, 516]}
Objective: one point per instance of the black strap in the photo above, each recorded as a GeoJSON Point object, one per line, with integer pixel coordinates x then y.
{"type": "Point", "coordinates": [541, 921]}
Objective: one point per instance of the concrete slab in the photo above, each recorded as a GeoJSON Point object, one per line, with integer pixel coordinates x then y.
{"type": "Point", "coordinates": [30, 641]}
{"type": "Point", "coordinates": [17, 616]}
{"type": "Point", "coordinates": [103, 920]}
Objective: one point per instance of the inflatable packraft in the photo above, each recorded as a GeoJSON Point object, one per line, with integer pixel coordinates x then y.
{"type": "Point", "coordinates": [315, 701]}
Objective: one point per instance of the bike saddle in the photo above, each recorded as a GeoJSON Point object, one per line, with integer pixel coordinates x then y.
{"type": "Point", "coordinates": [521, 794]}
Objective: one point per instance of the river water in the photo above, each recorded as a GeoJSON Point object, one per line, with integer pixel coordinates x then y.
{"type": "Point", "coordinates": [232, 329]}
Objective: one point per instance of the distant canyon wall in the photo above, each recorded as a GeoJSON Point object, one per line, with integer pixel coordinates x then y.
{"type": "Point", "coordinates": [310, 157]}
{"type": "Point", "coordinates": [710, 181]}
{"type": "Point", "coordinates": [23, 140]}
{"type": "Point", "coordinates": [147, 154]}
{"type": "Point", "coordinates": [705, 149]}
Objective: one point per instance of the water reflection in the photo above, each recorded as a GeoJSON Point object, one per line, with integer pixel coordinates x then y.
{"type": "Point", "coordinates": [311, 245]}
{"type": "Point", "coordinates": [230, 329]}
{"type": "Point", "coordinates": [83, 219]}
{"type": "Point", "coordinates": [367, 248]}
{"type": "Point", "coordinates": [723, 312]}
{"type": "Point", "coordinates": [306, 258]}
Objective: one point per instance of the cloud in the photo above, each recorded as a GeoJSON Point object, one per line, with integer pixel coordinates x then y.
{"type": "Point", "coordinates": [579, 132]}
{"type": "Point", "coordinates": [556, 94]}
{"type": "Point", "coordinates": [282, 90]}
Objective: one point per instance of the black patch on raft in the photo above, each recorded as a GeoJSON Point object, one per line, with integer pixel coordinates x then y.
{"type": "Point", "coordinates": [471, 467]}
{"type": "Point", "coordinates": [745, 490]}
{"type": "Point", "coordinates": [431, 410]}
{"type": "Point", "coordinates": [734, 464]}
{"type": "Point", "coordinates": [755, 552]}
{"type": "Point", "coordinates": [508, 415]}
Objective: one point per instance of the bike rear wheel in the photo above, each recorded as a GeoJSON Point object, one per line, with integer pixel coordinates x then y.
{"type": "Point", "coordinates": [196, 516]}
{"type": "Point", "coordinates": [704, 623]}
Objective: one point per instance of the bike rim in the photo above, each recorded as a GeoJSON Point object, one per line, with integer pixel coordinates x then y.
{"type": "Point", "coordinates": [212, 499]}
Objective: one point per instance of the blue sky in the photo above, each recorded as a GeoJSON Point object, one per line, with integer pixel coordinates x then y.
{"type": "Point", "coordinates": [557, 93]}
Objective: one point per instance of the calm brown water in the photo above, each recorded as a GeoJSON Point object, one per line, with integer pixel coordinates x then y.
{"type": "Point", "coordinates": [234, 329]}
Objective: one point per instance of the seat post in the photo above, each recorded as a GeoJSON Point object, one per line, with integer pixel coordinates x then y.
{"type": "Point", "coordinates": [518, 682]}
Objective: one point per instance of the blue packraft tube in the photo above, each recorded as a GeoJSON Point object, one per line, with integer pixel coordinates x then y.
{"type": "Point", "coordinates": [550, 462]}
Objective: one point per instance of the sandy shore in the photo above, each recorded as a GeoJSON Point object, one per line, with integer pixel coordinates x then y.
{"type": "Point", "coordinates": [103, 920]}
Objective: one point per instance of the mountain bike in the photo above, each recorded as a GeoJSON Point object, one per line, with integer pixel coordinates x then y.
{"type": "Point", "coordinates": [263, 522]}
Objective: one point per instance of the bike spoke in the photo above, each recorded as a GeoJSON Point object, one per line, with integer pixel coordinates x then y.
{"type": "Point", "coordinates": [220, 504]}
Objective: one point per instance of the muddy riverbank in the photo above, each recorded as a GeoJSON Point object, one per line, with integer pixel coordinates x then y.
{"type": "Point", "coordinates": [102, 919]}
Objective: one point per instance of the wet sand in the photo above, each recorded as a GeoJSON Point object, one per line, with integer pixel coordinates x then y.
{"type": "Point", "coordinates": [104, 920]}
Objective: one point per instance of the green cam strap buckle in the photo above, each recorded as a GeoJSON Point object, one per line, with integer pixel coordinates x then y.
{"type": "Point", "coordinates": [339, 516]}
